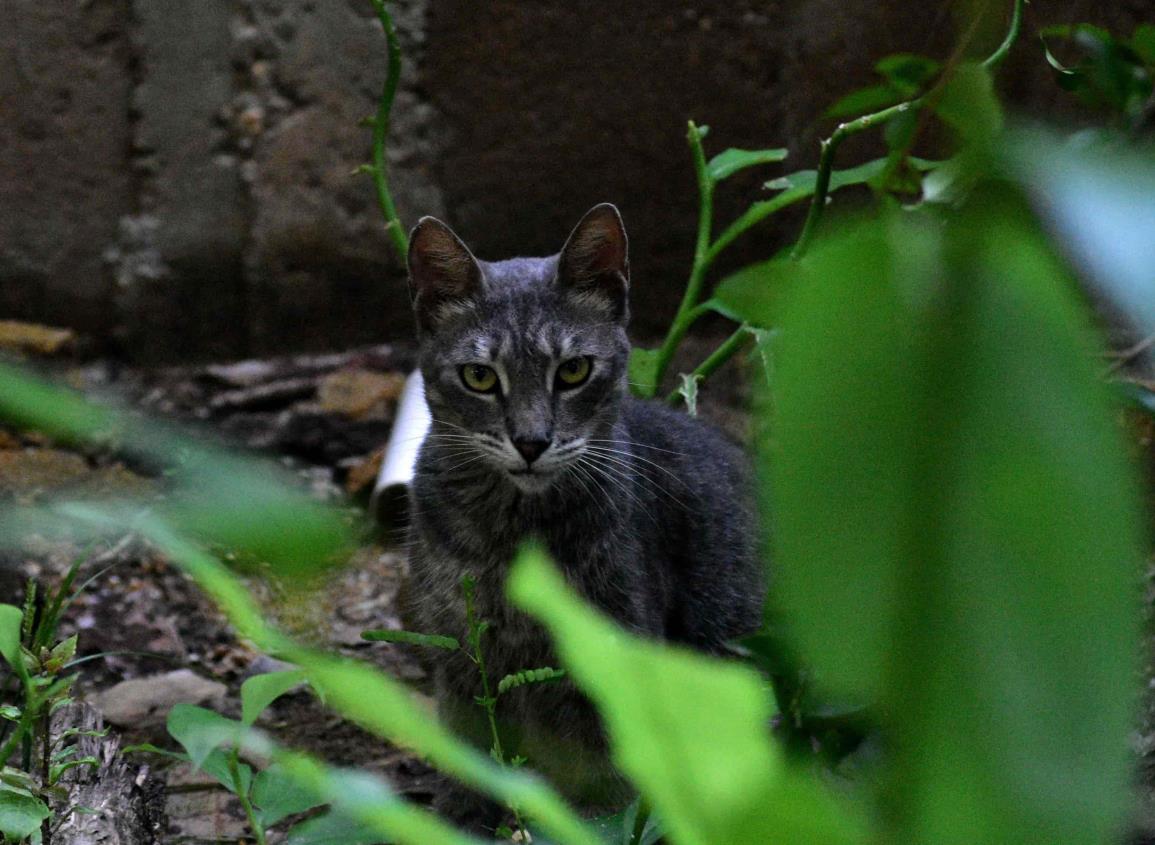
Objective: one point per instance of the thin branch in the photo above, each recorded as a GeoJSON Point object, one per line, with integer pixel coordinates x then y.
{"type": "Point", "coordinates": [381, 132]}
{"type": "Point", "coordinates": [693, 291]}
{"type": "Point", "coordinates": [845, 130]}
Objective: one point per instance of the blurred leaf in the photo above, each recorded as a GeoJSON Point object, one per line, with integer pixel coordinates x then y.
{"type": "Point", "coordinates": [331, 829]}
{"type": "Point", "coordinates": [849, 414]}
{"type": "Point", "coordinates": [732, 160]}
{"type": "Point", "coordinates": [908, 73]}
{"type": "Point", "coordinates": [969, 104]}
{"type": "Point", "coordinates": [937, 500]}
{"type": "Point", "coordinates": [1143, 43]}
{"type": "Point", "coordinates": [259, 691]}
{"type": "Point", "coordinates": [11, 619]}
{"type": "Point", "coordinates": [201, 731]}
{"type": "Point", "coordinates": [220, 497]}
{"type": "Point", "coordinates": [712, 773]}
{"type": "Point", "coordinates": [364, 809]}
{"type": "Point", "coordinates": [865, 100]}
{"type": "Point", "coordinates": [899, 132]}
{"type": "Point", "coordinates": [643, 372]}
{"type": "Point", "coordinates": [1100, 201]}
{"type": "Point", "coordinates": [387, 709]}
{"type": "Point", "coordinates": [277, 794]}
{"type": "Point", "coordinates": [754, 294]}
{"type": "Point", "coordinates": [20, 814]}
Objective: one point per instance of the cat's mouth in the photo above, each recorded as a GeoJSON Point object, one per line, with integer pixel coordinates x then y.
{"type": "Point", "coordinates": [531, 479]}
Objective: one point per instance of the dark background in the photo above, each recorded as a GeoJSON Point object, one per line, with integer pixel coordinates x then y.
{"type": "Point", "coordinates": [175, 175]}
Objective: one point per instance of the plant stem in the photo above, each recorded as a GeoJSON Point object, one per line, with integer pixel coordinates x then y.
{"type": "Point", "coordinates": [996, 58]}
{"type": "Point", "coordinates": [687, 311]}
{"type": "Point", "coordinates": [243, 796]}
{"type": "Point", "coordinates": [826, 165]}
{"type": "Point", "coordinates": [381, 131]}
{"type": "Point", "coordinates": [729, 348]}
{"type": "Point", "coordinates": [845, 130]}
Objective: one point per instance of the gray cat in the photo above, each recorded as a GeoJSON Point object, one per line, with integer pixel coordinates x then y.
{"type": "Point", "coordinates": [535, 435]}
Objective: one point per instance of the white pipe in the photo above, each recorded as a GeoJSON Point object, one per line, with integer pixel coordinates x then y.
{"type": "Point", "coordinates": [390, 497]}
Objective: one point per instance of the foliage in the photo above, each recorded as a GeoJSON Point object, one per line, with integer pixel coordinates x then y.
{"type": "Point", "coordinates": [1112, 75]}
{"type": "Point", "coordinates": [38, 660]}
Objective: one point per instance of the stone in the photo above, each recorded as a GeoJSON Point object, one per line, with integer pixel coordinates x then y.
{"type": "Point", "coordinates": [64, 181]}
{"type": "Point", "coordinates": [146, 701]}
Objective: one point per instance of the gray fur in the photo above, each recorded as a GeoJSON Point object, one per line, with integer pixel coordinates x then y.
{"type": "Point", "coordinates": [646, 510]}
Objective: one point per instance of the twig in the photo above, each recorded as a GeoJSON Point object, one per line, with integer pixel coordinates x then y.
{"type": "Point", "coordinates": [687, 310]}
{"type": "Point", "coordinates": [1129, 354]}
{"type": "Point", "coordinates": [381, 131]}
{"type": "Point", "coordinates": [996, 58]}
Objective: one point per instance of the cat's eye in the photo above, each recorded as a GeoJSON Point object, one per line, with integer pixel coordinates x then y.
{"type": "Point", "coordinates": [479, 377]}
{"type": "Point", "coordinates": [573, 372]}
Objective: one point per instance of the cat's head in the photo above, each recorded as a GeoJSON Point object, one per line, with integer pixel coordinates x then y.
{"type": "Point", "coordinates": [524, 360]}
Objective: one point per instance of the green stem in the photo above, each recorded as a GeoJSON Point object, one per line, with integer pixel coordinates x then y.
{"type": "Point", "coordinates": [996, 58]}
{"type": "Point", "coordinates": [826, 165]}
{"type": "Point", "coordinates": [381, 132]}
{"type": "Point", "coordinates": [687, 311]}
{"type": "Point", "coordinates": [845, 130]}
{"type": "Point", "coordinates": [729, 348]}
{"type": "Point", "coordinates": [243, 796]}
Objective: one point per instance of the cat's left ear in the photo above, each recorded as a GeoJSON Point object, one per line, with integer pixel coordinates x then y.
{"type": "Point", "coordinates": [594, 265]}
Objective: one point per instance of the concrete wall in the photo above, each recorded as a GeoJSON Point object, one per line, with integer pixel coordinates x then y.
{"type": "Point", "coordinates": [176, 177]}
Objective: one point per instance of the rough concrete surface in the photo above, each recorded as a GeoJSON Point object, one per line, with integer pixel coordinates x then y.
{"type": "Point", "coordinates": [176, 179]}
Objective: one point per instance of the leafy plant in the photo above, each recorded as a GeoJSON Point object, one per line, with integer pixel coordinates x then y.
{"type": "Point", "coordinates": [31, 790]}
{"type": "Point", "coordinates": [1112, 75]}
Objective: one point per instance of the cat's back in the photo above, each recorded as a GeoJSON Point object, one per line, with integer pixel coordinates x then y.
{"type": "Point", "coordinates": [702, 483]}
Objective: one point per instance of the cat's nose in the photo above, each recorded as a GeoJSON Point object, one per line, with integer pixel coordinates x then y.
{"type": "Point", "coordinates": [530, 448]}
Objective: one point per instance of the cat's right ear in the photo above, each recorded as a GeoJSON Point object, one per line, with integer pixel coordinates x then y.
{"type": "Point", "coordinates": [444, 277]}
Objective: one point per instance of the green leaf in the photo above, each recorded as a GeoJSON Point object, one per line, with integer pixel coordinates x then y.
{"type": "Point", "coordinates": [643, 372]}
{"type": "Point", "coordinates": [20, 814]}
{"type": "Point", "coordinates": [11, 619]}
{"type": "Point", "coordinates": [969, 104]}
{"type": "Point", "coordinates": [936, 502]}
{"type": "Point", "coordinates": [1143, 43]}
{"type": "Point", "coordinates": [730, 161]}
{"type": "Point", "coordinates": [411, 638]}
{"type": "Point", "coordinates": [864, 101]}
{"type": "Point", "coordinates": [218, 764]}
{"type": "Point", "coordinates": [331, 829]}
{"type": "Point", "coordinates": [259, 691]}
{"type": "Point", "coordinates": [201, 731]}
{"type": "Point", "coordinates": [364, 809]}
{"type": "Point", "coordinates": [754, 294]}
{"type": "Point", "coordinates": [907, 73]}
{"type": "Point", "coordinates": [277, 794]}
{"type": "Point", "coordinates": [712, 773]}
{"type": "Point", "coordinates": [1101, 201]}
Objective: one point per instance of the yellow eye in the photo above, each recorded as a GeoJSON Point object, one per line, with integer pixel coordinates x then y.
{"type": "Point", "coordinates": [479, 377]}
{"type": "Point", "coordinates": [573, 372]}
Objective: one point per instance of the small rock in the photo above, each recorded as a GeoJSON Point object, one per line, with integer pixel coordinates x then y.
{"type": "Point", "coordinates": [146, 701]}
{"type": "Point", "coordinates": [360, 394]}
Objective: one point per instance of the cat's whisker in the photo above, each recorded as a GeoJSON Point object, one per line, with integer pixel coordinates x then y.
{"type": "Point", "coordinates": [631, 455]}
{"type": "Point", "coordinates": [633, 473]}
{"type": "Point", "coordinates": [632, 444]}
{"type": "Point", "coordinates": [622, 482]}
